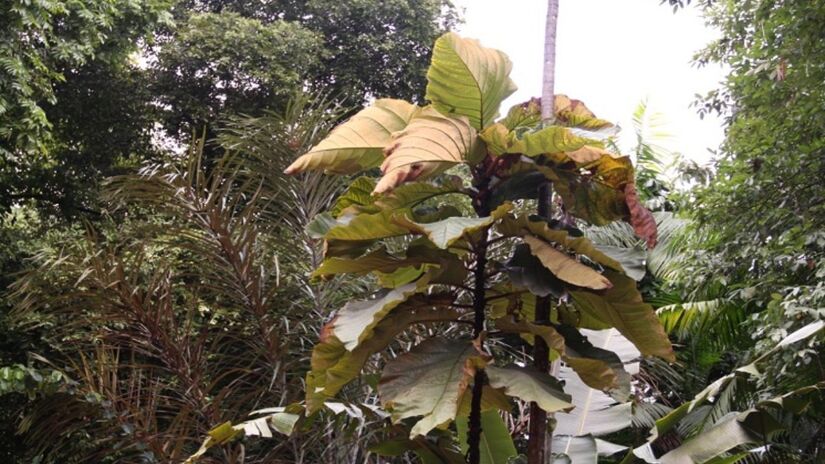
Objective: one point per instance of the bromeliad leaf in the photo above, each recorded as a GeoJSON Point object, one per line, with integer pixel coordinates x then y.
{"type": "Point", "coordinates": [530, 385]}
{"type": "Point", "coordinates": [564, 267]}
{"type": "Point", "coordinates": [358, 143]}
{"type": "Point", "coordinates": [447, 231]}
{"type": "Point", "coordinates": [467, 79]}
{"type": "Point", "coordinates": [430, 144]}
{"type": "Point", "coordinates": [429, 381]}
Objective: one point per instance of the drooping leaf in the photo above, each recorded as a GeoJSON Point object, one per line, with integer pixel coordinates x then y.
{"type": "Point", "coordinates": [496, 446]}
{"type": "Point", "coordinates": [633, 260]}
{"type": "Point", "coordinates": [430, 144]}
{"type": "Point", "coordinates": [333, 366]}
{"type": "Point", "coordinates": [595, 360]}
{"type": "Point", "coordinates": [523, 115]}
{"type": "Point", "coordinates": [523, 225]}
{"type": "Point", "coordinates": [644, 225]}
{"type": "Point", "coordinates": [546, 140]}
{"type": "Point", "coordinates": [595, 412]}
{"type": "Point", "coordinates": [354, 322]}
{"type": "Point", "coordinates": [447, 231]}
{"type": "Point", "coordinates": [526, 271]}
{"type": "Point", "coordinates": [467, 79]}
{"type": "Point", "coordinates": [584, 449]}
{"type": "Point", "coordinates": [358, 143]}
{"type": "Point", "coordinates": [571, 112]}
{"type": "Point", "coordinates": [428, 382]}
{"type": "Point", "coordinates": [564, 267]}
{"type": "Point", "coordinates": [376, 261]}
{"type": "Point", "coordinates": [530, 385]}
{"type": "Point", "coordinates": [622, 307]}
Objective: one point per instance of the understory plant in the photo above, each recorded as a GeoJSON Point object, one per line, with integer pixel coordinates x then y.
{"type": "Point", "coordinates": [446, 236]}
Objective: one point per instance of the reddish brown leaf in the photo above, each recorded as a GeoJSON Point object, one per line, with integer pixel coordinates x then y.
{"type": "Point", "coordinates": [644, 225]}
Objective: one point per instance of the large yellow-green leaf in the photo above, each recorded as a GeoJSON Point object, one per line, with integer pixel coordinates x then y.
{"type": "Point", "coordinates": [367, 226]}
{"type": "Point", "coordinates": [623, 308]}
{"type": "Point", "coordinates": [357, 196]}
{"type": "Point", "coordinates": [564, 267]}
{"type": "Point", "coordinates": [333, 366]}
{"type": "Point", "coordinates": [354, 322]}
{"type": "Point", "coordinates": [530, 385]}
{"type": "Point", "coordinates": [467, 79]}
{"type": "Point", "coordinates": [428, 382]}
{"type": "Point", "coordinates": [430, 144]}
{"type": "Point", "coordinates": [358, 143]}
{"type": "Point", "coordinates": [447, 231]}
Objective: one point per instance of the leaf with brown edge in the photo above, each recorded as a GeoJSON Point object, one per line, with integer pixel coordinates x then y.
{"type": "Point", "coordinates": [643, 222]}
{"type": "Point", "coordinates": [430, 144]}
{"type": "Point", "coordinates": [358, 143]}
{"type": "Point", "coordinates": [564, 267]}
{"type": "Point", "coordinates": [575, 113]}
{"type": "Point", "coordinates": [429, 382]}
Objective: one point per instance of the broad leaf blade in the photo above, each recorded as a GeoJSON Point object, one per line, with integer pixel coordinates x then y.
{"type": "Point", "coordinates": [428, 382]}
{"type": "Point", "coordinates": [566, 268]}
{"type": "Point", "coordinates": [467, 79]}
{"type": "Point", "coordinates": [496, 446]}
{"type": "Point", "coordinates": [530, 385]}
{"type": "Point", "coordinates": [430, 144]}
{"type": "Point", "coordinates": [358, 143]}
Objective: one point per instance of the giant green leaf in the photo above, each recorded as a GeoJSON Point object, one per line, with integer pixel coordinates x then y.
{"type": "Point", "coordinates": [358, 143]}
{"type": "Point", "coordinates": [354, 322]}
{"type": "Point", "coordinates": [564, 267]}
{"type": "Point", "coordinates": [623, 308]}
{"type": "Point", "coordinates": [530, 385]}
{"type": "Point", "coordinates": [547, 140]}
{"type": "Point", "coordinates": [496, 446]}
{"type": "Point", "coordinates": [467, 79]}
{"type": "Point", "coordinates": [430, 144]}
{"type": "Point", "coordinates": [527, 271]}
{"type": "Point", "coordinates": [428, 382]}
{"type": "Point", "coordinates": [366, 227]}
{"type": "Point", "coordinates": [332, 366]}
{"type": "Point", "coordinates": [447, 231]}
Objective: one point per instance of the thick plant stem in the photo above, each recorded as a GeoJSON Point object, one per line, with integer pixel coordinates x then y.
{"type": "Point", "coordinates": [482, 208]}
{"type": "Point", "coordinates": [538, 446]}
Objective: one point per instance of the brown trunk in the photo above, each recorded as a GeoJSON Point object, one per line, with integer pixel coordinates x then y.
{"type": "Point", "coordinates": [538, 448]}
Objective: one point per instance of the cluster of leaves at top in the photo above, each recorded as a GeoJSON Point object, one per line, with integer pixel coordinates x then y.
{"type": "Point", "coordinates": [444, 251]}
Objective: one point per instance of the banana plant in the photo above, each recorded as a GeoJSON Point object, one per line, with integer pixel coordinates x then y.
{"type": "Point", "coordinates": [442, 232]}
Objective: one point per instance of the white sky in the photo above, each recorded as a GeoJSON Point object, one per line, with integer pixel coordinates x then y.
{"type": "Point", "coordinates": [611, 54]}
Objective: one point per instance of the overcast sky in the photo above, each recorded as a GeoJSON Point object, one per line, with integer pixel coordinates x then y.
{"type": "Point", "coordinates": [611, 54]}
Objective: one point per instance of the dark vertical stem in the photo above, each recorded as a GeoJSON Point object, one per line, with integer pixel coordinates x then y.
{"type": "Point", "coordinates": [482, 207]}
{"type": "Point", "coordinates": [538, 447]}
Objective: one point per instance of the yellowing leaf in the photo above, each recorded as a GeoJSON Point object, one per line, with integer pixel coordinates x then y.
{"type": "Point", "coordinates": [565, 267]}
{"type": "Point", "coordinates": [430, 144]}
{"type": "Point", "coordinates": [467, 79]}
{"type": "Point", "coordinates": [447, 231]}
{"type": "Point", "coordinates": [574, 113]}
{"type": "Point", "coordinates": [428, 381]}
{"type": "Point", "coordinates": [623, 308]}
{"type": "Point", "coordinates": [358, 143]}
{"type": "Point", "coordinates": [530, 385]}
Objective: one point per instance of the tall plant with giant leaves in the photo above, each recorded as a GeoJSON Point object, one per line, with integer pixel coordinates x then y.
{"type": "Point", "coordinates": [457, 249]}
